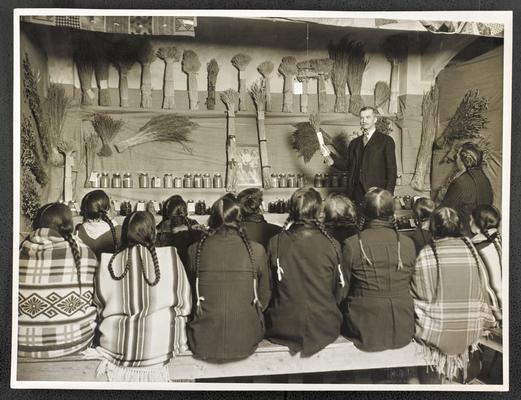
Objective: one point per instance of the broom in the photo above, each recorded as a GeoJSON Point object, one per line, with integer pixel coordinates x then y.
{"type": "Point", "coordinates": [191, 66]}
{"type": "Point", "coordinates": [339, 53]}
{"type": "Point", "coordinates": [67, 149]}
{"type": "Point", "coordinates": [213, 70]}
{"type": "Point", "coordinates": [306, 141]}
{"type": "Point", "coordinates": [355, 72]}
{"type": "Point", "coordinates": [429, 124]}
{"type": "Point", "coordinates": [304, 74]}
{"type": "Point", "coordinates": [258, 94]}
{"type": "Point", "coordinates": [90, 142]}
{"type": "Point", "coordinates": [83, 57]}
{"type": "Point", "coordinates": [241, 61]}
{"type": "Point", "coordinates": [395, 50]}
{"type": "Point", "coordinates": [230, 98]}
{"type": "Point", "coordinates": [169, 56]}
{"type": "Point", "coordinates": [288, 69]}
{"type": "Point", "coordinates": [101, 70]}
{"type": "Point", "coordinates": [322, 67]}
{"type": "Point", "coordinates": [265, 68]}
{"type": "Point", "coordinates": [146, 56]}
{"type": "Point", "coordinates": [55, 107]}
{"type": "Point", "coordinates": [163, 128]}
{"type": "Point", "coordinates": [381, 96]}
{"type": "Point", "coordinates": [107, 128]}
{"type": "Point", "coordinates": [123, 66]}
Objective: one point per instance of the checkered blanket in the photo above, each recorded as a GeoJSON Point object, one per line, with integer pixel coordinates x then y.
{"type": "Point", "coordinates": [55, 317]}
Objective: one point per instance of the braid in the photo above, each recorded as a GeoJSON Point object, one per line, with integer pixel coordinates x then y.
{"type": "Point", "coordinates": [438, 271]}
{"type": "Point", "coordinates": [472, 249]}
{"type": "Point", "coordinates": [322, 229]}
{"type": "Point", "coordinates": [127, 265]}
{"type": "Point", "coordinates": [157, 272]}
{"type": "Point", "coordinates": [187, 222]}
{"type": "Point", "coordinates": [361, 223]}
{"type": "Point", "coordinates": [495, 240]}
{"type": "Point", "coordinates": [399, 245]}
{"type": "Point", "coordinates": [286, 223]}
{"type": "Point", "coordinates": [199, 250]}
{"type": "Point", "coordinates": [244, 237]}
{"type": "Point", "coordinates": [106, 219]}
{"type": "Point", "coordinates": [75, 254]}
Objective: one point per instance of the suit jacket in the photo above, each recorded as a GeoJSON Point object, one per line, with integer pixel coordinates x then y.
{"type": "Point", "coordinates": [372, 165]}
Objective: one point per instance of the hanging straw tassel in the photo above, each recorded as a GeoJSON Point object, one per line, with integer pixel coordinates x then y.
{"type": "Point", "coordinates": [280, 271]}
{"type": "Point", "coordinates": [304, 74]}
{"type": "Point", "coordinates": [395, 50]}
{"type": "Point", "coordinates": [314, 121]}
{"type": "Point", "coordinates": [322, 68]}
{"type": "Point", "coordinates": [115, 373]}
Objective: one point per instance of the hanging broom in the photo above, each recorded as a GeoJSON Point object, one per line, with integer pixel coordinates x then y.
{"type": "Point", "coordinates": [395, 50]}
{"type": "Point", "coordinates": [339, 53]}
{"type": "Point", "coordinates": [355, 71]}
{"type": "Point", "coordinates": [83, 56]}
{"type": "Point", "coordinates": [241, 61]}
{"type": "Point", "coordinates": [55, 108]}
{"type": "Point", "coordinates": [191, 66]}
{"type": "Point", "coordinates": [107, 128]}
{"type": "Point", "coordinates": [146, 56]}
{"type": "Point", "coordinates": [90, 143]}
{"type": "Point", "coordinates": [429, 124]}
{"type": "Point", "coordinates": [382, 94]}
{"type": "Point", "coordinates": [213, 70]}
{"type": "Point", "coordinates": [322, 67]}
{"type": "Point", "coordinates": [288, 69]}
{"type": "Point", "coordinates": [230, 98]}
{"type": "Point", "coordinates": [102, 49]}
{"type": "Point", "coordinates": [169, 56]}
{"type": "Point", "coordinates": [265, 68]}
{"type": "Point", "coordinates": [123, 64]}
{"type": "Point", "coordinates": [163, 128]}
{"type": "Point", "coordinates": [304, 74]}
{"type": "Point", "coordinates": [67, 149]}
{"type": "Point", "coordinates": [258, 94]}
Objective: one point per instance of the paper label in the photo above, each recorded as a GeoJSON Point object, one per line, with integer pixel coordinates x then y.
{"type": "Point", "coordinates": [94, 178]}
{"type": "Point", "coordinates": [140, 206]}
{"type": "Point", "coordinates": [412, 222]}
{"type": "Point", "coordinates": [320, 138]}
{"type": "Point", "coordinates": [242, 74]}
{"type": "Point", "coordinates": [260, 114]}
{"type": "Point", "coordinates": [298, 88]}
{"type": "Point", "coordinates": [191, 206]}
{"type": "Point", "coordinates": [116, 205]}
{"type": "Point", "coordinates": [103, 84]}
{"type": "Point", "coordinates": [402, 203]}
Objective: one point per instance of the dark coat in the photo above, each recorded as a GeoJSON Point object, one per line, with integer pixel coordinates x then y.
{"type": "Point", "coordinates": [467, 191]}
{"type": "Point", "coordinates": [181, 240]}
{"type": "Point", "coordinates": [304, 313]}
{"type": "Point", "coordinates": [259, 230]}
{"type": "Point", "coordinates": [228, 325]}
{"type": "Point", "coordinates": [103, 243]}
{"type": "Point", "coordinates": [379, 311]}
{"type": "Point", "coordinates": [341, 230]}
{"type": "Point", "coordinates": [421, 238]}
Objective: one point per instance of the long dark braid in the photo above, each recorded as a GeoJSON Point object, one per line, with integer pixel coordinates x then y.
{"type": "Point", "coordinates": [75, 254]}
{"type": "Point", "coordinates": [399, 244]}
{"type": "Point", "coordinates": [496, 241]}
{"type": "Point", "coordinates": [157, 272]}
{"type": "Point", "coordinates": [438, 270]}
{"type": "Point", "coordinates": [104, 217]}
{"type": "Point", "coordinates": [127, 264]}
{"type": "Point", "coordinates": [320, 226]}
{"type": "Point", "coordinates": [244, 237]}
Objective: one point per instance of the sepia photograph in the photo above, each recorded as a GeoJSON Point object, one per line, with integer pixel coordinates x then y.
{"type": "Point", "coordinates": [261, 200]}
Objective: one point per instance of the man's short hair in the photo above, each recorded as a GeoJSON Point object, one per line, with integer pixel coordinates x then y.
{"type": "Point", "coordinates": [367, 108]}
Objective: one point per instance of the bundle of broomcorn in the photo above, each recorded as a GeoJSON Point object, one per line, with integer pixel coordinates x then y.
{"type": "Point", "coordinates": [191, 66]}
{"type": "Point", "coordinates": [395, 50]}
{"type": "Point", "coordinates": [102, 50]}
{"type": "Point", "coordinates": [339, 53]}
{"type": "Point", "coordinates": [288, 69]}
{"type": "Point", "coordinates": [213, 70]}
{"type": "Point", "coordinates": [84, 55]}
{"type": "Point", "coordinates": [241, 61]}
{"type": "Point", "coordinates": [305, 139]}
{"type": "Point", "coordinates": [55, 110]}
{"type": "Point", "coordinates": [146, 55]}
{"type": "Point", "coordinates": [89, 145]}
{"type": "Point", "coordinates": [322, 67]}
{"type": "Point", "coordinates": [107, 128]}
{"type": "Point", "coordinates": [170, 56]}
{"type": "Point", "coordinates": [265, 68]}
{"type": "Point", "coordinates": [466, 123]}
{"type": "Point", "coordinates": [163, 128]}
{"type": "Point", "coordinates": [304, 74]}
{"type": "Point", "coordinates": [230, 98]}
{"type": "Point", "coordinates": [355, 71]}
{"type": "Point", "coordinates": [123, 58]}
{"type": "Point", "coordinates": [258, 94]}
{"type": "Point", "coordinates": [381, 96]}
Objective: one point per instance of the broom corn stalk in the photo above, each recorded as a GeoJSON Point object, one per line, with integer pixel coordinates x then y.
{"type": "Point", "coordinates": [191, 66]}
{"type": "Point", "coordinates": [169, 56]}
{"type": "Point", "coordinates": [288, 69]}
{"type": "Point", "coordinates": [241, 61]}
{"type": "Point", "coordinates": [213, 70]}
{"type": "Point", "coordinates": [322, 68]}
{"type": "Point", "coordinates": [265, 69]}
{"type": "Point", "coordinates": [258, 93]}
{"type": "Point", "coordinates": [146, 56]}
{"type": "Point", "coordinates": [230, 98]}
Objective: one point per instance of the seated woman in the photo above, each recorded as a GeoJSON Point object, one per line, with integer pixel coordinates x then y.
{"type": "Point", "coordinates": [98, 231]}
{"type": "Point", "coordinates": [340, 217]}
{"type": "Point", "coordinates": [56, 316]}
{"type": "Point", "coordinates": [379, 261]}
{"type": "Point", "coordinates": [450, 296]}
{"type": "Point", "coordinates": [231, 284]}
{"type": "Point", "coordinates": [308, 280]}
{"type": "Point", "coordinates": [176, 229]}
{"type": "Point", "coordinates": [484, 224]}
{"type": "Point", "coordinates": [254, 224]}
{"type": "Point", "coordinates": [422, 209]}
{"type": "Point", "coordinates": [143, 298]}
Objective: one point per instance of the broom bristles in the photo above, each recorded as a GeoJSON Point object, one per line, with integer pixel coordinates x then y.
{"type": "Point", "coordinates": [258, 94]}
{"type": "Point", "coordinates": [382, 93]}
{"type": "Point", "coordinates": [190, 63]}
{"type": "Point", "coordinates": [213, 69]}
{"type": "Point", "coordinates": [240, 61]}
{"type": "Point", "coordinates": [288, 66]}
{"type": "Point", "coordinates": [168, 53]}
{"type": "Point", "coordinates": [265, 68]}
{"type": "Point", "coordinates": [322, 66]}
{"type": "Point", "coordinates": [230, 98]}
{"type": "Point", "coordinates": [395, 47]}
{"type": "Point", "coordinates": [146, 54]}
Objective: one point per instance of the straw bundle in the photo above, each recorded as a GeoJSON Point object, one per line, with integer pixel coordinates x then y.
{"type": "Point", "coordinates": [322, 67]}
{"type": "Point", "coordinates": [30, 158]}
{"type": "Point", "coordinates": [241, 61]}
{"type": "Point", "coordinates": [107, 128]}
{"type": "Point", "coordinates": [169, 56]}
{"type": "Point", "coordinates": [230, 98]}
{"type": "Point", "coordinates": [258, 94]}
{"type": "Point", "coordinates": [29, 197]}
{"type": "Point", "coordinates": [395, 50]}
{"type": "Point", "coordinates": [67, 149]}
{"type": "Point", "coordinates": [429, 124]}
{"type": "Point", "coordinates": [213, 70]}
{"type": "Point", "coordinates": [305, 140]}
{"type": "Point", "coordinates": [55, 107]}
{"type": "Point", "coordinates": [265, 68]}
{"type": "Point", "coordinates": [355, 72]}
{"type": "Point", "coordinates": [339, 53]}
{"type": "Point", "coordinates": [90, 143]}
{"type": "Point", "coordinates": [102, 51]}
{"type": "Point", "coordinates": [304, 74]}
{"type": "Point", "coordinates": [146, 56]}
{"type": "Point", "coordinates": [191, 66]}
{"type": "Point", "coordinates": [381, 96]}
{"type": "Point", "coordinates": [288, 69]}
{"type": "Point", "coordinates": [84, 56]}
{"type": "Point", "coordinates": [123, 66]}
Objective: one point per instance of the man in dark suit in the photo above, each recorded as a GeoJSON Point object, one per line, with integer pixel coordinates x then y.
{"type": "Point", "coordinates": [371, 159]}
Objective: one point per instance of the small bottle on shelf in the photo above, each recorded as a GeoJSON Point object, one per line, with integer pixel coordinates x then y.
{"type": "Point", "coordinates": [127, 181]}
{"type": "Point", "coordinates": [144, 180]}
{"type": "Point", "coordinates": [198, 181]}
{"type": "Point", "coordinates": [104, 181]}
{"type": "Point", "coordinates": [116, 180]}
{"type": "Point", "coordinates": [188, 182]}
{"type": "Point", "coordinates": [283, 182]}
{"type": "Point", "coordinates": [274, 180]}
{"type": "Point", "coordinates": [207, 181]}
{"type": "Point", "coordinates": [168, 181]}
{"type": "Point", "coordinates": [178, 182]}
{"type": "Point", "coordinates": [217, 181]}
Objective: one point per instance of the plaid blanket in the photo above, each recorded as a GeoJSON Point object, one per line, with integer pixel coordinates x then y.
{"type": "Point", "coordinates": [55, 317]}
{"type": "Point", "coordinates": [450, 303]}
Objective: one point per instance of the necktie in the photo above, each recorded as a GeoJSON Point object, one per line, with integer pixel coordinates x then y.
{"type": "Point", "coordinates": [366, 136]}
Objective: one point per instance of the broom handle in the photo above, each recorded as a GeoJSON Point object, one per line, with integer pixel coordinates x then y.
{"type": "Point", "coordinates": [123, 87]}
{"type": "Point", "coordinates": [101, 71]}
{"type": "Point", "coordinates": [242, 90]}
{"type": "Point", "coordinates": [395, 81]}
{"type": "Point", "coordinates": [287, 100]}
{"type": "Point", "coordinates": [268, 93]}
{"type": "Point", "coordinates": [192, 91]}
{"type": "Point", "coordinates": [321, 93]}
{"type": "Point", "coordinates": [210, 101]}
{"type": "Point", "coordinates": [263, 148]}
{"type": "Point", "coordinates": [146, 86]}
{"type": "Point", "coordinates": [231, 152]}
{"type": "Point", "coordinates": [67, 178]}
{"type": "Point", "coordinates": [169, 92]}
{"type": "Point", "coordinates": [304, 97]}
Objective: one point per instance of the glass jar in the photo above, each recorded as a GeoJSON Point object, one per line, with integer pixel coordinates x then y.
{"type": "Point", "coordinates": [144, 180]}
{"type": "Point", "coordinates": [198, 181]}
{"type": "Point", "coordinates": [334, 180]}
{"type": "Point", "coordinates": [188, 181]}
{"type": "Point", "coordinates": [301, 181]}
{"type": "Point", "coordinates": [178, 182]}
{"type": "Point", "coordinates": [94, 179]}
{"type": "Point", "coordinates": [168, 181]}
{"type": "Point", "coordinates": [344, 181]}
{"type": "Point", "coordinates": [292, 181]}
{"type": "Point", "coordinates": [274, 180]}
{"type": "Point", "coordinates": [318, 180]}
{"type": "Point", "coordinates": [326, 182]}
{"type": "Point", "coordinates": [217, 181]}
{"type": "Point", "coordinates": [283, 181]}
{"type": "Point", "coordinates": [116, 180]}
{"type": "Point", "coordinates": [207, 181]}
{"type": "Point", "coordinates": [127, 181]}
{"type": "Point", "coordinates": [156, 182]}
{"type": "Point", "coordinates": [104, 182]}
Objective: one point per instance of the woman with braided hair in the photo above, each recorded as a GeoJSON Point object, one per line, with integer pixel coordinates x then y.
{"type": "Point", "coordinates": [308, 280]}
{"type": "Point", "coordinates": [98, 230]}
{"type": "Point", "coordinates": [451, 291]}
{"type": "Point", "coordinates": [256, 227]}
{"type": "Point", "coordinates": [143, 297]}
{"type": "Point", "coordinates": [422, 210]}
{"type": "Point", "coordinates": [471, 187]}
{"type": "Point", "coordinates": [378, 312]}
{"type": "Point", "coordinates": [56, 316]}
{"type": "Point", "coordinates": [340, 216]}
{"type": "Point", "coordinates": [176, 229]}
{"type": "Point", "coordinates": [231, 287]}
{"type": "Point", "coordinates": [484, 224]}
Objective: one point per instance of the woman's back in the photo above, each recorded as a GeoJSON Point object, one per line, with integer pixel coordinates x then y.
{"type": "Point", "coordinates": [98, 236]}
{"type": "Point", "coordinates": [260, 231]}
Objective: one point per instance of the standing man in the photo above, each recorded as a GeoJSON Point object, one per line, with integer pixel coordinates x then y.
{"type": "Point", "coordinates": [371, 159]}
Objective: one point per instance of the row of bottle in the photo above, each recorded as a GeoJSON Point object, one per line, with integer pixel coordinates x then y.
{"type": "Point", "coordinates": [330, 180]}
{"type": "Point", "coordinates": [197, 181]}
{"type": "Point", "coordinates": [155, 207]}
